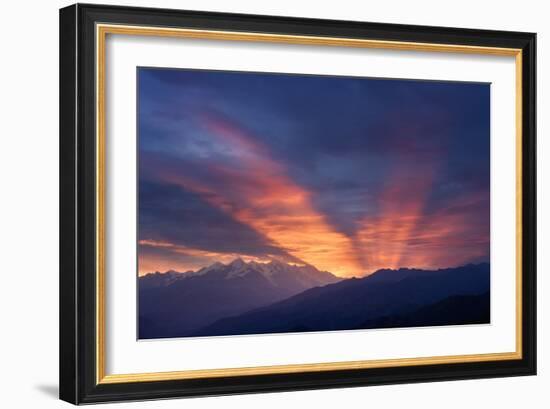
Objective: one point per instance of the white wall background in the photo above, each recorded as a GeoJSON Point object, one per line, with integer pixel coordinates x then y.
{"type": "Point", "coordinates": [29, 203]}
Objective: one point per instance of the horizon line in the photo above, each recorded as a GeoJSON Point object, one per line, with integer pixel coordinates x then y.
{"type": "Point", "coordinates": [307, 264]}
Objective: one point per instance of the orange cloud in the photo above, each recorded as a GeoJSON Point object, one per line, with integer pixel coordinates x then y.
{"type": "Point", "coordinates": [402, 235]}
{"type": "Point", "coordinates": [260, 194]}
{"type": "Point", "coordinates": [450, 236]}
{"type": "Point", "coordinates": [384, 238]}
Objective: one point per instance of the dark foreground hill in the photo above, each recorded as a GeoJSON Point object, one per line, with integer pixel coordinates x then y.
{"type": "Point", "coordinates": [387, 298]}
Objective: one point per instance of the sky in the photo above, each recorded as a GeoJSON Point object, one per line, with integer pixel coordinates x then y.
{"type": "Point", "coordinates": [348, 174]}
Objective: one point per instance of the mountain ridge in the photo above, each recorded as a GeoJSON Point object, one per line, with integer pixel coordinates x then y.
{"type": "Point", "coordinates": [238, 265]}
{"type": "Point", "coordinates": [174, 304]}
{"type": "Point", "coordinates": [349, 303]}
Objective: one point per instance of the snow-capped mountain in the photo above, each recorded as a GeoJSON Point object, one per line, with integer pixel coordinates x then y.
{"type": "Point", "coordinates": [278, 273]}
{"type": "Point", "coordinates": [174, 304]}
{"type": "Point", "coordinates": [282, 274]}
{"type": "Point", "coordinates": [158, 279]}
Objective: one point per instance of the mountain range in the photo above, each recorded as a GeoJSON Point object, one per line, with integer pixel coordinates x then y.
{"type": "Point", "coordinates": [174, 304]}
{"type": "Point", "coordinates": [255, 298]}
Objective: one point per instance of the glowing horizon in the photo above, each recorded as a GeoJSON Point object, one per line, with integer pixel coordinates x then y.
{"type": "Point", "coordinates": [348, 175]}
{"type": "Point", "coordinates": [228, 259]}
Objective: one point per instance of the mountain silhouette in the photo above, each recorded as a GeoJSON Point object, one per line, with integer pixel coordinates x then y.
{"type": "Point", "coordinates": [175, 304]}
{"type": "Point", "coordinates": [454, 310]}
{"type": "Point", "coordinates": [387, 298]}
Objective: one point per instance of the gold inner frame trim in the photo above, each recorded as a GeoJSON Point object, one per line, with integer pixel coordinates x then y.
{"type": "Point", "coordinates": [101, 33]}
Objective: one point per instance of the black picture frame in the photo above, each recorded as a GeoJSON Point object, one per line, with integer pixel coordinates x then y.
{"type": "Point", "coordinates": [78, 293]}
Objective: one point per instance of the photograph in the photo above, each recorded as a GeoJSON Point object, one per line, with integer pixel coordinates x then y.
{"type": "Point", "coordinates": [290, 203]}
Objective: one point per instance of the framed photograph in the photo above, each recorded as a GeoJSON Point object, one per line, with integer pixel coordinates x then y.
{"type": "Point", "coordinates": [257, 203]}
